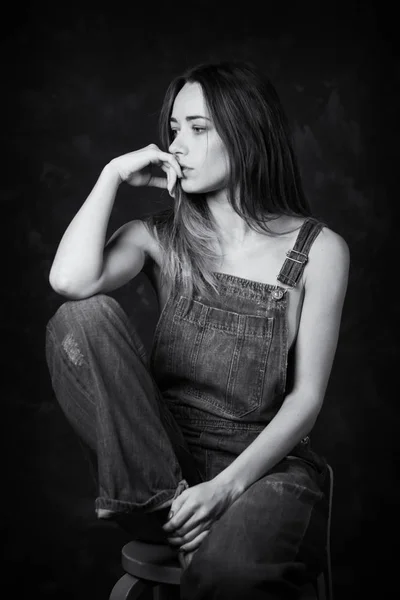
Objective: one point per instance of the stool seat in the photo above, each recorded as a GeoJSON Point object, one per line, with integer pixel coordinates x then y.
{"type": "Point", "coordinates": [159, 564]}
{"type": "Point", "coordinates": [153, 562]}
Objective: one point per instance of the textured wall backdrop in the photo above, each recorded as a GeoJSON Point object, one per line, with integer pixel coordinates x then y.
{"type": "Point", "coordinates": [84, 85]}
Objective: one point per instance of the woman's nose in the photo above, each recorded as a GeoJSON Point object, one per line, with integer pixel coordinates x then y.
{"type": "Point", "coordinates": [173, 147]}
{"type": "Point", "coordinates": [177, 146]}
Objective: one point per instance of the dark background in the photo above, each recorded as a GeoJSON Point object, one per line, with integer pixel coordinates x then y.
{"type": "Point", "coordinates": [84, 84]}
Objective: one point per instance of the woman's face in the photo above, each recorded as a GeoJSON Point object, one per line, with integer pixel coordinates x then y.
{"type": "Point", "coordinates": [197, 145]}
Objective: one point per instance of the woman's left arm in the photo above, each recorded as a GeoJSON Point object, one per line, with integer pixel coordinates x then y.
{"type": "Point", "coordinates": [325, 284]}
{"type": "Point", "coordinates": [325, 281]}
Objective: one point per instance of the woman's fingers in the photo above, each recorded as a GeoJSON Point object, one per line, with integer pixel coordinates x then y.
{"type": "Point", "coordinates": [172, 179]}
{"type": "Point", "coordinates": [136, 167]}
{"type": "Point", "coordinates": [191, 523]}
{"type": "Point", "coordinates": [167, 182]}
{"type": "Point", "coordinates": [159, 182]}
{"type": "Point", "coordinates": [166, 158]}
{"type": "Point", "coordinates": [195, 543]}
{"type": "Point", "coordinates": [170, 159]}
{"type": "Point", "coordinates": [172, 169]}
{"type": "Point", "coordinates": [181, 512]}
{"type": "Point", "coordinates": [183, 537]}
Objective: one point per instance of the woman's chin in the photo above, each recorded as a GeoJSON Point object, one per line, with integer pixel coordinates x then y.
{"type": "Point", "coordinates": [190, 188]}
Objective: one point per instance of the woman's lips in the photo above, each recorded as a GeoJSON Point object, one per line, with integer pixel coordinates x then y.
{"type": "Point", "coordinates": [185, 170]}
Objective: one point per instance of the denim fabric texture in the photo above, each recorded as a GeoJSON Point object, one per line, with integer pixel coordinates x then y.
{"type": "Point", "coordinates": [216, 375]}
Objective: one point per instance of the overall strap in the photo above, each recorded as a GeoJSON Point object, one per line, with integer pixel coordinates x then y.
{"type": "Point", "coordinates": [297, 257]}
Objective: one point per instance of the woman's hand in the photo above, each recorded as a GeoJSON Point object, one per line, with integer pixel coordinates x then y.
{"type": "Point", "coordinates": [195, 511]}
{"type": "Point", "coordinates": [136, 168]}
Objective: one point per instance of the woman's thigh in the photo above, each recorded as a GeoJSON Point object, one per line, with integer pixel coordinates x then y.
{"type": "Point", "coordinates": [272, 538]}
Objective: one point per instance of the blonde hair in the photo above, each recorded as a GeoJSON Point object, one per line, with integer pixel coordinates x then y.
{"type": "Point", "coordinates": [186, 236]}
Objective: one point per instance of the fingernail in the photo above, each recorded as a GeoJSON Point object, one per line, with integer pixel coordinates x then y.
{"type": "Point", "coordinates": [171, 514]}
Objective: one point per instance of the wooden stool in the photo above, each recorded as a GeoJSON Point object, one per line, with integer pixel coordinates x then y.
{"type": "Point", "coordinates": [153, 570]}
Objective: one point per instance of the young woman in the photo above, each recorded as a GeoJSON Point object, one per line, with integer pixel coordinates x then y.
{"type": "Point", "coordinates": [205, 443]}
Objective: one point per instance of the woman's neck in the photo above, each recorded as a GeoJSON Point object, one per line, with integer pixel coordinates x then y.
{"type": "Point", "coordinates": [232, 229]}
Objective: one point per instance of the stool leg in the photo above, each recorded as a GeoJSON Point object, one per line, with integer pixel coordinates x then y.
{"type": "Point", "coordinates": [321, 587]}
{"type": "Point", "coordinates": [166, 592]}
{"type": "Point", "coordinates": [129, 588]}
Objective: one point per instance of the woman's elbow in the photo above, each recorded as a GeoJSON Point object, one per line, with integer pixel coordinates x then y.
{"type": "Point", "coordinates": [66, 288]}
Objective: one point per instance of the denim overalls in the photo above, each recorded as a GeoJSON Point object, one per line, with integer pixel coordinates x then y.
{"type": "Point", "coordinates": [222, 367]}
{"type": "Point", "coordinates": [216, 375]}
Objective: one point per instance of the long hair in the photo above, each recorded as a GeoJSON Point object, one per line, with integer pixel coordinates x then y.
{"type": "Point", "coordinates": [264, 180]}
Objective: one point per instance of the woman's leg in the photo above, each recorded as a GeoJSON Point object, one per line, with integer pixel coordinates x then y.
{"type": "Point", "coordinates": [101, 379]}
{"type": "Point", "coordinates": [268, 543]}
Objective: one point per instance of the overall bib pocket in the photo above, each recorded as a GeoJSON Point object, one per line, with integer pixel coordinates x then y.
{"type": "Point", "coordinates": [219, 356]}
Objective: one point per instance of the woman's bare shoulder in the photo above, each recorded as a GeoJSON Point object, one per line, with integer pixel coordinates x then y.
{"type": "Point", "coordinates": [329, 255]}
{"type": "Point", "coordinates": [330, 241]}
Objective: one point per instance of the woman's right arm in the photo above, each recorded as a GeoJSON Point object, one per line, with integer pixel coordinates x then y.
{"type": "Point", "coordinates": [83, 265]}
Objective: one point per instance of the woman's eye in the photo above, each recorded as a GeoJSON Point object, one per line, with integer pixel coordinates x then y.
{"type": "Point", "coordinates": [195, 128]}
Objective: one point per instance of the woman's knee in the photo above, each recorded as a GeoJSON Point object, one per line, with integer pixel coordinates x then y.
{"type": "Point", "coordinates": [78, 320]}
{"type": "Point", "coordinates": [87, 312]}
